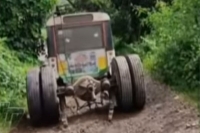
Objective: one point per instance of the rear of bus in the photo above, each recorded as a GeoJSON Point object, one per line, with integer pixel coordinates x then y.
{"type": "Point", "coordinates": [80, 44]}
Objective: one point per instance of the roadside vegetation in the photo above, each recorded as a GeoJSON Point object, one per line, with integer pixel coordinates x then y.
{"type": "Point", "coordinates": [164, 33]}
{"type": "Point", "coordinates": [171, 52]}
{"type": "Point", "coordinates": [12, 85]}
{"type": "Point", "coordinates": [20, 42]}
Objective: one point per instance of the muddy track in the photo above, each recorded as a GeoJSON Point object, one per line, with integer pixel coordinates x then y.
{"type": "Point", "coordinates": [164, 112]}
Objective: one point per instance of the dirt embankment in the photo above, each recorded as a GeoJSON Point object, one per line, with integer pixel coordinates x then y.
{"type": "Point", "coordinates": [164, 113]}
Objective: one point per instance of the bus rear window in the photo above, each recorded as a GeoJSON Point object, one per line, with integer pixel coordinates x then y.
{"type": "Point", "coordinates": [79, 38]}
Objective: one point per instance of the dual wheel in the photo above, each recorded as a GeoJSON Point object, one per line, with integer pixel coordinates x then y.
{"type": "Point", "coordinates": [43, 104]}
{"type": "Point", "coordinates": [129, 76]}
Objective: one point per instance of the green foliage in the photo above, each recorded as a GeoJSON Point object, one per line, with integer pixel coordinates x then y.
{"type": "Point", "coordinates": [173, 46]}
{"type": "Point", "coordinates": [21, 22]}
{"type": "Point", "coordinates": [12, 84]}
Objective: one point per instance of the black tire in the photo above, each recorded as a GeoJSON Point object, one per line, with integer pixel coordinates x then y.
{"type": "Point", "coordinates": [120, 71]}
{"type": "Point", "coordinates": [138, 83]}
{"type": "Point", "coordinates": [49, 95]}
{"type": "Point", "coordinates": [33, 96]}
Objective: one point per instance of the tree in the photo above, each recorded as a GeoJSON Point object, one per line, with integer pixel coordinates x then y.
{"type": "Point", "coordinates": [21, 22]}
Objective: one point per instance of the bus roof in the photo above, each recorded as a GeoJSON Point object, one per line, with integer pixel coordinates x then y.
{"type": "Point", "coordinates": [77, 17]}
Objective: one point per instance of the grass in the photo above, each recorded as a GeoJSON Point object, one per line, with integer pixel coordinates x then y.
{"type": "Point", "coordinates": [190, 95]}
{"type": "Point", "coordinates": [4, 130]}
{"type": "Point", "coordinates": [12, 86]}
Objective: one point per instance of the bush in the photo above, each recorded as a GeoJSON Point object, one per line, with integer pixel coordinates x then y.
{"type": "Point", "coordinates": [12, 82]}
{"type": "Point", "coordinates": [173, 45]}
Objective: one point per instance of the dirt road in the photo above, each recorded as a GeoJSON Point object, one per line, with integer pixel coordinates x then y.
{"type": "Point", "coordinates": [164, 113]}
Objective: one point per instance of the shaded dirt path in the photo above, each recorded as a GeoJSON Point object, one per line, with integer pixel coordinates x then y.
{"type": "Point", "coordinates": [163, 113]}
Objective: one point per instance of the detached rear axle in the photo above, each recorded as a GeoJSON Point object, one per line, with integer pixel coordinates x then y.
{"type": "Point", "coordinates": [85, 88]}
